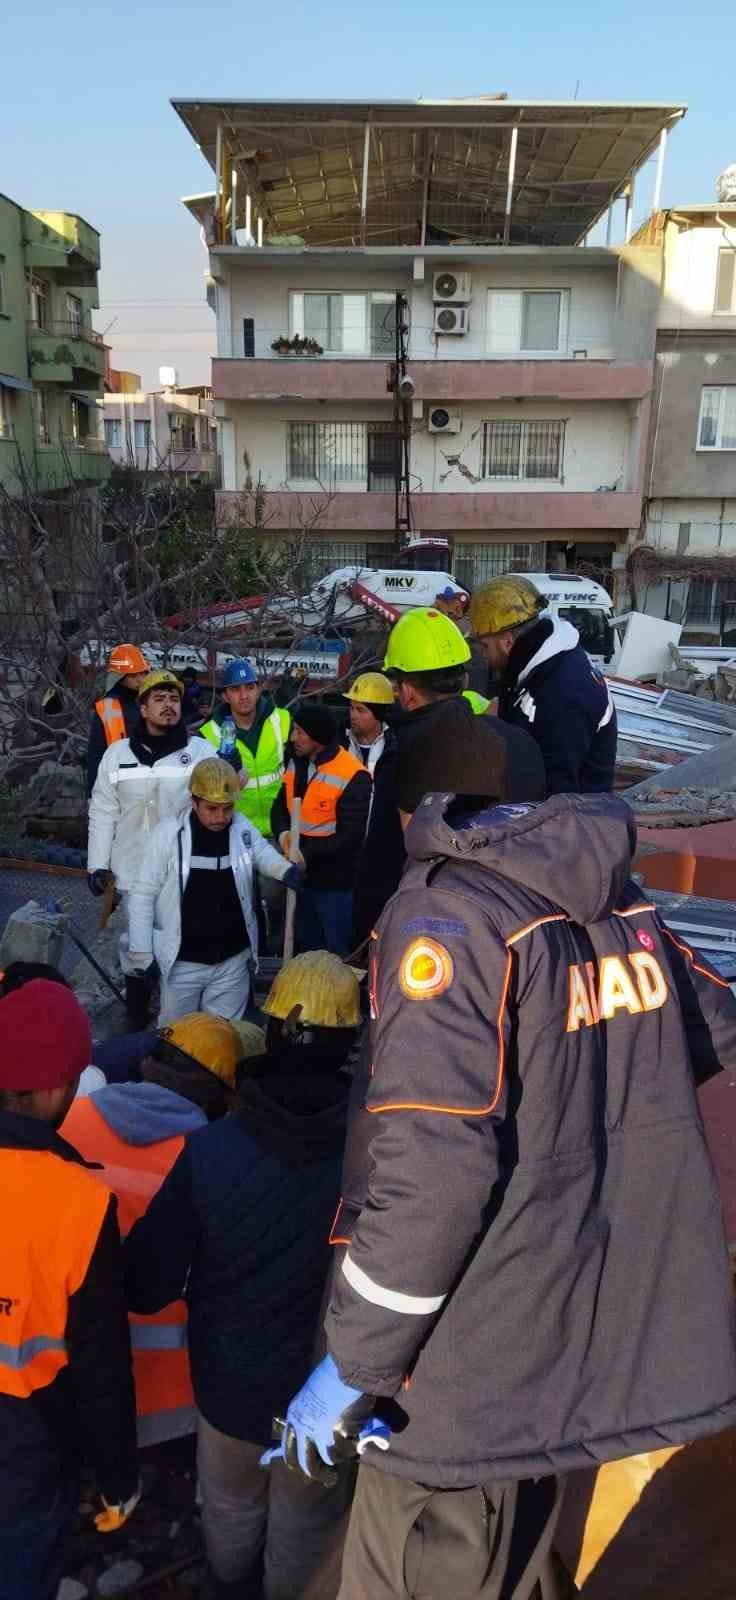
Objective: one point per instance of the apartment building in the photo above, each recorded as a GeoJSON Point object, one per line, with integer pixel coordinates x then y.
{"type": "Point", "coordinates": [51, 359]}
{"type": "Point", "coordinates": [685, 562]}
{"type": "Point", "coordinates": [528, 354]}
{"type": "Point", "coordinates": [162, 431]}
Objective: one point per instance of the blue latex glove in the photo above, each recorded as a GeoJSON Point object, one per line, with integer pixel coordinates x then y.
{"type": "Point", "coordinates": [326, 1423]}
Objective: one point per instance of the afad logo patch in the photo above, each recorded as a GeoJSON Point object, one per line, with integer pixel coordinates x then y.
{"type": "Point", "coordinates": [645, 939]}
{"type": "Point", "coordinates": [426, 969]}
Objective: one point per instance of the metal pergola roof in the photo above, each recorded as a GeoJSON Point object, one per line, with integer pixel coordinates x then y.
{"type": "Point", "coordinates": [475, 171]}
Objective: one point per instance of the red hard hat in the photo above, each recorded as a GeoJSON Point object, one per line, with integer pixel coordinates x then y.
{"type": "Point", "coordinates": [127, 658]}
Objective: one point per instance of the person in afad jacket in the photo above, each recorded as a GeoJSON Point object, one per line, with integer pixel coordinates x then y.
{"type": "Point", "coordinates": [66, 1387]}
{"type": "Point", "coordinates": [243, 1220]}
{"type": "Point", "coordinates": [192, 910]}
{"type": "Point", "coordinates": [548, 685]}
{"type": "Point", "coordinates": [538, 1275]}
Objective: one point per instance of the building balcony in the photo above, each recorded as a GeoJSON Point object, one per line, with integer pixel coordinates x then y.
{"type": "Point", "coordinates": [84, 461]}
{"type": "Point", "coordinates": [516, 515]}
{"type": "Point", "coordinates": [66, 245]}
{"type": "Point", "coordinates": [342, 380]}
{"type": "Point", "coordinates": [66, 353]}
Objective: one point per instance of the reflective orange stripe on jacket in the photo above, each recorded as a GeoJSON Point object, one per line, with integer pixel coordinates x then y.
{"type": "Point", "coordinates": [110, 713]}
{"type": "Point", "coordinates": [163, 1388]}
{"type": "Point", "coordinates": [319, 806]}
{"type": "Point", "coordinates": [53, 1210]}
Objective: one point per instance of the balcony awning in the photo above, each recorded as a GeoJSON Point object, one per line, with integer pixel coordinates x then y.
{"type": "Point", "coordinates": [8, 382]}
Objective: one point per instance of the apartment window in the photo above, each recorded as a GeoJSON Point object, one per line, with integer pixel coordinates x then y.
{"type": "Point", "coordinates": [523, 450]}
{"type": "Point", "coordinates": [41, 413]}
{"type": "Point", "coordinates": [527, 321]}
{"type": "Point", "coordinates": [74, 315]}
{"type": "Point", "coordinates": [346, 324]}
{"type": "Point", "coordinates": [38, 296]}
{"type": "Point", "coordinates": [75, 419]}
{"type": "Point", "coordinates": [182, 431]}
{"type": "Point", "coordinates": [354, 454]}
{"type": "Point", "coordinates": [476, 563]}
{"type": "Point", "coordinates": [717, 425]}
{"type": "Point", "coordinates": [6, 412]}
{"type": "Point", "coordinates": [249, 337]}
{"type": "Point", "coordinates": [327, 555]}
{"type": "Point", "coordinates": [142, 435]}
{"type": "Point", "coordinates": [113, 433]}
{"type": "Point", "coordinates": [726, 282]}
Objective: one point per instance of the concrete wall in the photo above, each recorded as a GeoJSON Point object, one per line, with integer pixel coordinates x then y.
{"type": "Point", "coordinates": [678, 466]}
{"type": "Point", "coordinates": [13, 349]}
{"type": "Point", "coordinates": [712, 524]}
{"type": "Point", "coordinates": [691, 265]}
{"type": "Point", "coordinates": [639, 290]}
{"type": "Point", "coordinates": [263, 294]}
{"type": "Point", "coordinates": [596, 445]}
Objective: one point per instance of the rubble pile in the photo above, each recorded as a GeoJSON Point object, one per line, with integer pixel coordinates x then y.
{"type": "Point", "coordinates": [719, 685]}
{"type": "Point", "coordinates": [683, 808]}
{"type": "Point", "coordinates": [158, 1553]}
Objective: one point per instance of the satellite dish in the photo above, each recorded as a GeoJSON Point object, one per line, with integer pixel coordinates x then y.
{"type": "Point", "coordinates": [726, 185]}
{"type": "Point", "coordinates": [167, 377]}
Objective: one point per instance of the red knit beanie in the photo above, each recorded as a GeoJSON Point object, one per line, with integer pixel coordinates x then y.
{"type": "Point", "coordinates": [45, 1037]}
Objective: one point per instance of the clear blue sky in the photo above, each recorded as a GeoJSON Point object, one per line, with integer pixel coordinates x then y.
{"type": "Point", "coordinates": [87, 125]}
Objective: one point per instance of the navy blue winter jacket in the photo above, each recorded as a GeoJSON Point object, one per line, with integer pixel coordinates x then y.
{"type": "Point", "coordinates": [241, 1227]}
{"type": "Point", "coordinates": [551, 689]}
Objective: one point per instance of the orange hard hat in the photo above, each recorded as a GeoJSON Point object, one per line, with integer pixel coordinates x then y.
{"type": "Point", "coordinates": [127, 658]}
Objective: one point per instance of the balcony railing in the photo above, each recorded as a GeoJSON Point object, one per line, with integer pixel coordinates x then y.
{"type": "Point", "coordinates": [68, 329]}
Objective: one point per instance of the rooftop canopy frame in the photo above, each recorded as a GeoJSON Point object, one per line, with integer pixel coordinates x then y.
{"type": "Point", "coordinates": [460, 172]}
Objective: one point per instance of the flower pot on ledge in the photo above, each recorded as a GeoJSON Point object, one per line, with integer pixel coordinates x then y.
{"type": "Point", "coordinates": [297, 347]}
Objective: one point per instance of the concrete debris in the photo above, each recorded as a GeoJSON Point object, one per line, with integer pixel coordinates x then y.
{"type": "Point", "coordinates": [57, 791]}
{"type": "Point", "coordinates": [719, 685]}
{"type": "Point", "coordinates": [683, 808]}
{"type": "Point", "coordinates": [119, 1578]}
{"type": "Point", "coordinates": [32, 934]}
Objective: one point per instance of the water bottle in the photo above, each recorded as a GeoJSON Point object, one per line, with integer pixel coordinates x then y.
{"type": "Point", "coordinates": [228, 747]}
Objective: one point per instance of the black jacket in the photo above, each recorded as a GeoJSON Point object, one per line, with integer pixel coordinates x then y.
{"type": "Point", "coordinates": [551, 690]}
{"type": "Point", "coordinates": [382, 857]}
{"type": "Point", "coordinates": [444, 724]}
{"type": "Point", "coordinates": [331, 861]}
{"type": "Point", "coordinates": [540, 1245]}
{"type": "Point", "coordinates": [97, 743]}
{"type": "Point", "coordinates": [240, 1227]}
{"type": "Point", "coordinates": [88, 1412]}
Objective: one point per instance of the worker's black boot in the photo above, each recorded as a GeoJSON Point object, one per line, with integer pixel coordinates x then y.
{"type": "Point", "coordinates": [137, 1003]}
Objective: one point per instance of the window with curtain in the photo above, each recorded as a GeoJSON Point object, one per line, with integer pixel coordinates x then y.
{"type": "Point", "coordinates": [726, 283]}
{"type": "Point", "coordinates": [341, 454]}
{"type": "Point", "coordinates": [142, 435]}
{"type": "Point", "coordinates": [529, 450]}
{"type": "Point", "coordinates": [527, 321]}
{"type": "Point", "coordinates": [717, 422]}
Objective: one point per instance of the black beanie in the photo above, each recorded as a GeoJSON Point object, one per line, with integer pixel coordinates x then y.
{"type": "Point", "coordinates": [317, 721]}
{"type": "Point", "coordinates": [456, 753]}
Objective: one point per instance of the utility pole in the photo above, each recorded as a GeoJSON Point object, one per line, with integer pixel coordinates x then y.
{"type": "Point", "coordinates": [403, 390]}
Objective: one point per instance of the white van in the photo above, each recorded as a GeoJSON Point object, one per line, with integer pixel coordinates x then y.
{"type": "Point", "coordinates": [584, 603]}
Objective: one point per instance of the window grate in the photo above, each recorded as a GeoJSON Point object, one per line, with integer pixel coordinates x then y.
{"type": "Point", "coordinates": [357, 454]}
{"type": "Point", "coordinates": [249, 337]}
{"type": "Point", "coordinates": [531, 450]}
{"type": "Point", "coordinates": [476, 563]}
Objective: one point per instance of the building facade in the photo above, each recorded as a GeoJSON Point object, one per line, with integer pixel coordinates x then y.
{"type": "Point", "coordinates": [51, 359]}
{"type": "Point", "coordinates": [164, 431]}
{"type": "Point", "coordinates": [527, 359]}
{"type": "Point", "coordinates": [684, 560]}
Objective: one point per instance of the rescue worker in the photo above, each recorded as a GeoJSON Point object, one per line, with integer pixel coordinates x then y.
{"type": "Point", "coordinates": [140, 780]}
{"type": "Point", "coordinates": [135, 1132]}
{"type": "Point", "coordinates": [426, 656]}
{"type": "Point", "coordinates": [66, 1389]}
{"type": "Point", "coordinates": [452, 602]}
{"type": "Point", "coordinates": [538, 1276]}
{"type": "Point", "coordinates": [191, 705]}
{"type": "Point", "coordinates": [244, 1217]}
{"type": "Point", "coordinates": [261, 730]}
{"type": "Point", "coordinates": [371, 739]}
{"type": "Point", "coordinates": [192, 908]}
{"type": "Point", "coordinates": [335, 791]}
{"type": "Point", "coordinates": [116, 713]}
{"type": "Point", "coordinates": [548, 686]}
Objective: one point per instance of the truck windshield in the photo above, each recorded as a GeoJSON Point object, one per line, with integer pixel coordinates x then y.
{"type": "Point", "coordinates": [594, 627]}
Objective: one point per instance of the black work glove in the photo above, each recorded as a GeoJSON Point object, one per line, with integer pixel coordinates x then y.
{"type": "Point", "coordinates": [98, 880]}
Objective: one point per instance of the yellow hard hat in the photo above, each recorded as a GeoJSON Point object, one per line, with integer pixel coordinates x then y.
{"type": "Point", "coordinates": [371, 689]}
{"type": "Point", "coordinates": [425, 640]}
{"type": "Point", "coordinates": [212, 1042]}
{"type": "Point", "coordinates": [214, 780]}
{"type": "Point", "coordinates": [504, 603]}
{"type": "Point", "coordinates": [322, 986]}
{"type": "Point", "coordinates": [160, 679]}
{"type": "Point", "coordinates": [252, 1039]}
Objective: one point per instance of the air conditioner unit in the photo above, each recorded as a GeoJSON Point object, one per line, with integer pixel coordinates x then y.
{"type": "Point", "coordinates": [443, 421]}
{"type": "Point", "coordinates": [451, 319]}
{"type": "Point", "coordinates": [454, 286]}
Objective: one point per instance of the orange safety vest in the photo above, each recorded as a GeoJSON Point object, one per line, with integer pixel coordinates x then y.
{"type": "Point", "coordinates": [319, 806]}
{"type": "Point", "coordinates": [163, 1387]}
{"type": "Point", "coordinates": [110, 713]}
{"type": "Point", "coordinates": [57, 1210]}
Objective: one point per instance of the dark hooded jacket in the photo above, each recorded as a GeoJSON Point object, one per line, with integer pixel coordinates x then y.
{"type": "Point", "coordinates": [551, 689]}
{"type": "Point", "coordinates": [240, 1228]}
{"type": "Point", "coordinates": [540, 1246]}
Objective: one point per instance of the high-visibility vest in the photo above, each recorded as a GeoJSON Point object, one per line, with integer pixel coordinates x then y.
{"type": "Point", "coordinates": [265, 769]}
{"type": "Point", "coordinates": [477, 701]}
{"type": "Point", "coordinates": [54, 1210]}
{"type": "Point", "coordinates": [163, 1388]}
{"type": "Point", "coordinates": [110, 713]}
{"type": "Point", "coordinates": [319, 805]}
